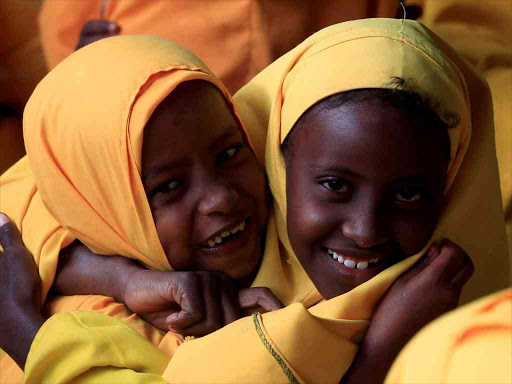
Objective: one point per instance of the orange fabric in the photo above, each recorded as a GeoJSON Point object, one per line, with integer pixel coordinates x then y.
{"type": "Point", "coordinates": [236, 39]}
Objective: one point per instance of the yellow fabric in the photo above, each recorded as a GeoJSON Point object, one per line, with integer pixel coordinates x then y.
{"type": "Point", "coordinates": [317, 345]}
{"type": "Point", "coordinates": [472, 344]}
{"type": "Point", "coordinates": [91, 338]}
{"type": "Point", "coordinates": [482, 32]}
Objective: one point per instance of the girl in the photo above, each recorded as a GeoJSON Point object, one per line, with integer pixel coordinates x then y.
{"type": "Point", "coordinates": [319, 344]}
{"type": "Point", "coordinates": [193, 196]}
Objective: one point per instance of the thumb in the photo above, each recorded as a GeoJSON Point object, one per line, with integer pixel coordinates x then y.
{"type": "Point", "coordinates": [258, 297]}
{"type": "Point", "coordinates": [9, 234]}
{"type": "Point", "coordinates": [100, 27]}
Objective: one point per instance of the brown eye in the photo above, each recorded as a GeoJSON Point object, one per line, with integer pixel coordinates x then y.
{"type": "Point", "coordinates": [168, 186]}
{"type": "Point", "coordinates": [228, 154]}
{"type": "Point", "coordinates": [336, 186]}
{"type": "Point", "coordinates": [409, 195]}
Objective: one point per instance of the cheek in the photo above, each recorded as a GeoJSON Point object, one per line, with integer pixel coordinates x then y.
{"type": "Point", "coordinates": [307, 222]}
{"type": "Point", "coordinates": [172, 226]}
{"type": "Point", "coordinates": [252, 183]}
{"type": "Point", "coordinates": [413, 232]}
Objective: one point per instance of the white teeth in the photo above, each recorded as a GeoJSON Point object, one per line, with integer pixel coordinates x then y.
{"type": "Point", "coordinates": [218, 240]}
{"type": "Point", "coordinates": [349, 263]}
{"type": "Point", "coordinates": [340, 259]}
{"type": "Point", "coordinates": [362, 265]}
{"type": "Point", "coordinates": [211, 243]}
{"type": "Point", "coordinates": [225, 234]}
{"type": "Point", "coordinates": [330, 252]}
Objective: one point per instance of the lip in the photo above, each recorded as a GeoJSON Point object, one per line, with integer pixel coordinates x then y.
{"type": "Point", "coordinates": [355, 276]}
{"type": "Point", "coordinates": [225, 228]}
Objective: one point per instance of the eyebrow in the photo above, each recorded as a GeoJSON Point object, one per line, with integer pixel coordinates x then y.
{"type": "Point", "coordinates": [156, 170]}
{"type": "Point", "coordinates": [333, 168]}
{"type": "Point", "coordinates": [234, 130]}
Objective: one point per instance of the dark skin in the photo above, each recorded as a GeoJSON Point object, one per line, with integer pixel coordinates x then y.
{"type": "Point", "coordinates": [95, 30]}
{"type": "Point", "coordinates": [202, 182]}
{"type": "Point", "coordinates": [21, 322]}
{"type": "Point", "coordinates": [368, 186]}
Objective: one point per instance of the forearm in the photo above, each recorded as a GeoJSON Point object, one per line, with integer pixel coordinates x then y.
{"type": "Point", "coordinates": [371, 363]}
{"type": "Point", "coordinates": [80, 272]}
{"type": "Point", "coordinates": [18, 335]}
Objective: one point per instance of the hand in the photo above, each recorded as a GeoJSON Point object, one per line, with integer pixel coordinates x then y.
{"type": "Point", "coordinates": [95, 30]}
{"type": "Point", "coordinates": [20, 294]}
{"type": "Point", "coordinates": [429, 289]}
{"type": "Point", "coordinates": [191, 303]}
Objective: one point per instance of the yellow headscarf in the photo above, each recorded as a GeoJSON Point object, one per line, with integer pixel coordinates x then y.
{"type": "Point", "coordinates": [83, 129]}
{"type": "Point", "coordinates": [368, 54]}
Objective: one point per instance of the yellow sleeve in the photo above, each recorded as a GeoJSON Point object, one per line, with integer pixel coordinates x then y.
{"type": "Point", "coordinates": [85, 347]}
{"type": "Point", "coordinates": [291, 345]}
{"type": "Point", "coordinates": [470, 345]}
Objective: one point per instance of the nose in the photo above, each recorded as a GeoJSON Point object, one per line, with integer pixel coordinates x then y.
{"type": "Point", "coordinates": [364, 227]}
{"type": "Point", "coordinates": [217, 197]}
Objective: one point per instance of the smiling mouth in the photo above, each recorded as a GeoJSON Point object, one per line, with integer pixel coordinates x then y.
{"type": "Point", "coordinates": [351, 263]}
{"type": "Point", "coordinates": [224, 237]}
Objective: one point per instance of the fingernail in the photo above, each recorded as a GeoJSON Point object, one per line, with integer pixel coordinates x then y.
{"type": "Point", "coordinates": [432, 250]}
{"type": "Point", "coordinates": [112, 27]}
{"type": "Point", "coordinates": [3, 219]}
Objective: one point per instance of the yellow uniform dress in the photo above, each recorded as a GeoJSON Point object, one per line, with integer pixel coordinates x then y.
{"type": "Point", "coordinates": [298, 344]}
{"type": "Point", "coordinates": [470, 345]}
{"type": "Point", "coordinates": [236, 39]}
{"type": "Point", "coordinates": [482, 32]}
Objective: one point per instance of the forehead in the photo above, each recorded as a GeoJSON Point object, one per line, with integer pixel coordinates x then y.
{"type": "Point", "coordinates": [372, 139]}
{"type": "Point", "coordinates": [191, 118]}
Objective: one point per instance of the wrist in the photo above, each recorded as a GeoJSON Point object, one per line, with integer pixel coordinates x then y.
{"type": "Point", "coordinates": [123, 271]}
{"type": "Point", "coordinates": [21, 330]}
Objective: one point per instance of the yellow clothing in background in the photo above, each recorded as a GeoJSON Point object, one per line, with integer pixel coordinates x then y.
{"type": "Point", "coordinates": [481, 31]}
{"type": "Point", "coordinates": [236, 39]}
{"type": "Point", "coordinates": [471, 345]}
{"type": "Point", "coordinates": [318, 344]}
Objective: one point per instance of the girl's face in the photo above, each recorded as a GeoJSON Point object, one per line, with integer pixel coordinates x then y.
{"type": "Point", "coordinates": [206, 190]}
{"type": "Point", "coordinates": [364, 186]}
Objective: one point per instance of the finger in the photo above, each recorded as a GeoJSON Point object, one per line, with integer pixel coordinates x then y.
{"type": "Point", "coordinates": [211, 300]}
{"type": "Point", "coordinates": [461, 277]}
{"type": "Point", "coordinates": [190, 300]}
{"type": "Point", "coordinates": [9, 234]}
{"type": "Point", "coordinates": [259, 297]}
{"type": "Point", "coordinates": [100, 27]}
{"type": "Point", "coordinates": [426, 260]}
{"type": "Point", "coordinates": [231, 311]}
{"type": "Point", "coordinates": [450, 261]}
